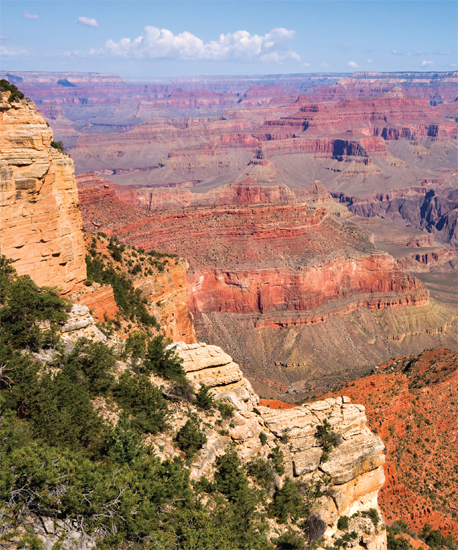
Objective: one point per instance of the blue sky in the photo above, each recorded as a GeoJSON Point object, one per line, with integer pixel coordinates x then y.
{"type": "Point", "coordinates": [171, 38]}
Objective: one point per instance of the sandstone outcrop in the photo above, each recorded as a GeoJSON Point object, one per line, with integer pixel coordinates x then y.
{"type": "Point", "coordinates": [41, 224]}
{"type": "Point", "coordinates": [353, 475]}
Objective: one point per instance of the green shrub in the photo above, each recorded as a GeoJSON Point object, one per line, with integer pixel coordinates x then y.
{"type": "Point", "coordinates": [225, 410]}
{"type": "Point", "coordinates": [124, 444]}
{"type": "Point", "coordinates": [287, 502]}
{"type": "Point", "coordinates": [261, 471]}
{"type": "Point", "coordinates": [327, 439]}
{"type": "Point", "coordinates": [5, 86]}
{"type": "Point", "coordinates": [263, 438]}
{"type": "Point", "coordinates": [58, 145]}
{"type": "Point", "coordinates": [276, 456]}
{"type": "Point", "coordinates": [204, 398]}
{"type": "Point", "coordinates": [372, 514]}
{"type": "Point", "coordinates": [56, 405]}
{"type": "Point", "coordinates": [397, 543]}
{"type": "Point", "coordinates": [190, 439]}
{"type": "Point", "coordinates": [138, 397]}
{"type": "Point", "coordinates": [30, 316]}
{"type": "Point", "coordinates": [162, 361]}
{"type": "Point", "coordinates": [230, 478]}
{"type": "Point", "coordinates": [291, 540]}
{"type": "Point", "coordinates": [135, 347]}
{"type": "Point", "coordinates": [128, 299]}
{"type": "Point", "coordinates": [342, 523]}
{"type": "Point", "coordinates": [90, 364]}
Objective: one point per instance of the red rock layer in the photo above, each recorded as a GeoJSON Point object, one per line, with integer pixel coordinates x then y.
{"type": "Point", "coordinates": [100, 300]}
{"type": "Point", "coordinates": [391, 116]}
{"type": "Point", "coordinates": [265, 258]}
{"type": "Point", "coordinates": [411, 403]}
{"type": "Point", "coordinates": [93, 189]}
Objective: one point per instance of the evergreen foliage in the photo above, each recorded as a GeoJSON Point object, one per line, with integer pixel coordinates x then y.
{"type": "Point", "coordinates": [204, 398]}
{"type": "Point", "coordinates": [276, 456]}
{"type": "Point", "coordinates": [190, 439]}
{"type": "Point", "coordinates": [30, 316]}
{"type": "Point", "coordinates": [60, 460]}
{"type": "Point", "coordinates": [164, 362]}
{"type": "Point", "coordinates": [137, 396]}
{"type": "Point", "coordinates": [128, 299]}
{"type": "Point", "coordinates": [58, 145]}
{"type": "Point", "coordinates": [5, 86]}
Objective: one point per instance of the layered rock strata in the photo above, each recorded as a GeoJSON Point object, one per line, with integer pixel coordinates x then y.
{"type": "Point", "coordinates": [353, 475]}
{"type": "Point", "coordinates": [41, 225]}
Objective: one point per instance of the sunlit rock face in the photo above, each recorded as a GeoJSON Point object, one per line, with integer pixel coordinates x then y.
{"type": "Point", "coordinates": [41, 226]}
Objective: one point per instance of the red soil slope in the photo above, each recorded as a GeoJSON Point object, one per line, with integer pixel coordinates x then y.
{"type": "Point", "coordinates": [412, 403]}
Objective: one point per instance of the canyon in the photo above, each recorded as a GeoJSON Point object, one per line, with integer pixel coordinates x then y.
{"type": "Point", "coordinates": [352, 474]}
{"type": "Point", "coordinates": [310, 236]}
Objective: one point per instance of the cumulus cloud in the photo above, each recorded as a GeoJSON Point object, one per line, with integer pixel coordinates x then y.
{"type": "Point", "coordinates": [4, 52]}
{"type": "Point", "coordinates": [369, 60]}
{"type": "Point", "coordinates": [28, 15]}
{"type": "Point", "coordinates": [426, 64]}
{"type": "Point", "coordinates": [157, 43]}
{"type": "Point", "coordinates": [88, 22]}
{"type": "Point", "coordinates": [324, 65]}
{"type": "Point", "coordinates": [352, 64]}
{"type": "Point", "coordinates": [4, 37]}
{"type": "Point", "coordinates": [409, 54]}
{"type": "Point", "coordinates": [306, 64]}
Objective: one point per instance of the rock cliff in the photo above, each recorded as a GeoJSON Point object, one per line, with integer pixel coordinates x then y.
{"type": "Point", "coordinates": [411, 404]}
{"type": "Point", "coordinates": [352, 474]}
{"type": "Point", "coordinates": [41, 225]}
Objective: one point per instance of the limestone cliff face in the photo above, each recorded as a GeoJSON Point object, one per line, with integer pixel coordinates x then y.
{"type": "Point", "coordinates": [353, 473]}
{"type": "Point", "coordinates": [41, 226]}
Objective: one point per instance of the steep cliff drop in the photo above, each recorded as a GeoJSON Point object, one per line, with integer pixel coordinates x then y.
{"type": "Point", "coordinates": [41, 227]}
{"type": "Point", "coordinates": [351, 476]}
{"type": "Point", "coordinates": [301, 300]}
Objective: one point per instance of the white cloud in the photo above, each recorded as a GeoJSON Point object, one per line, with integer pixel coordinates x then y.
{"type": "Point", "coordinates": [86, 21]}
{"type": "Point", "coordinates": [4, 37]}
{"type": "Point", "coordinates": [157, 43]}
{"type": "Point", "coordinates": [448, 52]}
{"type": "Point", "coordinates": [306, 64]}
{"type": "Point", "coordinates": [352, 64]}
{"type": "Point", "coordinates": [369, 60]}
{"type": "Point", "coordinates": [452, 64]}
{"type": "Point", "coordinates": [324, 65]}
{"type": "Point", "coordinates": [342, 47]}
{"type": "Point", "coordinates": [426, 64]}
{"type": "Point", "coordinates": [28, 15]}
{"type": "Point", "coordinates": [409, 54]}
{"type": "Point", "coordinates": [4, 52]}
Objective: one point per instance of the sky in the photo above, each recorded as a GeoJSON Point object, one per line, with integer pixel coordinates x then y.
{"type": "Point", "coordinates": [224, 37]}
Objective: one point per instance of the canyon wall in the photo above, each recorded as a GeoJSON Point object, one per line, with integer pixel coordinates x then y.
{"type": "Point", "coordinates": [353, 474]}
{"type": "Point", "coordinates": [41, 225]}
{"type": "Point", "coordinates": [301, 300]}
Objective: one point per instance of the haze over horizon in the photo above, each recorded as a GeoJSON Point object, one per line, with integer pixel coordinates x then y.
{"type": "Point", "coordinates": [194, 38]}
